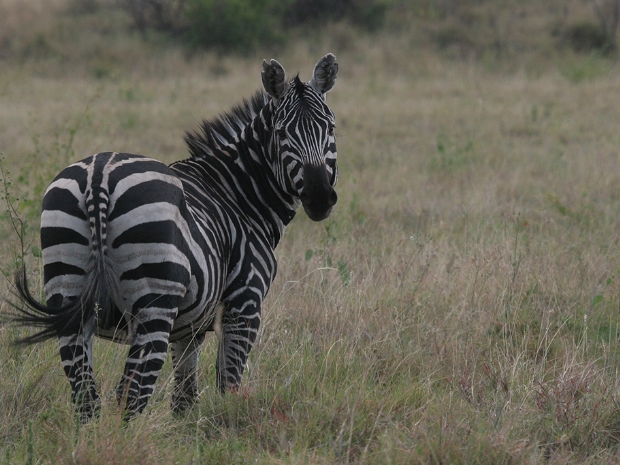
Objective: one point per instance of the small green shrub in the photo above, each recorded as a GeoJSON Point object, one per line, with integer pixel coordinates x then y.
{"type": "Point", "coordinates": [586, 37]}
{"type": "Point", "coordinates": [368, 14]}
{"type": "Point", "coordinates": [238, 25]}
{"type": "Point", "coordinates": [451, 155]}
{"type": "Point", "coordinates": [585, 67]}
{"type": "Point", "coordinates": [161, 15]}
{"type": "Point", "coordinates": [451, 35]}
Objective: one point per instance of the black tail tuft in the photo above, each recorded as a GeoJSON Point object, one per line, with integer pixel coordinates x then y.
{"type": "Point", "coordinates": [53, 321]}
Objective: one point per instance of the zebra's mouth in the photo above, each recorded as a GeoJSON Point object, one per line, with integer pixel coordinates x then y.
{"type": "Point", "coordinates": [317, 216]}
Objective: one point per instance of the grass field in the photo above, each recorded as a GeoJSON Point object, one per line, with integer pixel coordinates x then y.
{"type": "Point", "coordinates": [461, 304]}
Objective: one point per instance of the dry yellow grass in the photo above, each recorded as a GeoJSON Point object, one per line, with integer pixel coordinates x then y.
{"type": "Point", "coordinates": [460, 306]}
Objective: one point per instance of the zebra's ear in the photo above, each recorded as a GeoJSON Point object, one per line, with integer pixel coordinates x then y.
{"type": "Point", "coordinates": [324, 75]}
{"type": "Point", "coordinates": [274, 79]}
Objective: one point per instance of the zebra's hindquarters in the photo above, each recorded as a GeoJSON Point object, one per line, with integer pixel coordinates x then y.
{"type": "Point", "coordinates": [111, 227]}
{"type": "Point", "coordinates": [113, 237]}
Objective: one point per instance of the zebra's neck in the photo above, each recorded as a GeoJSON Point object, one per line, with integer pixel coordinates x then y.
{"type": "Point", "coordinates": [234, 154]}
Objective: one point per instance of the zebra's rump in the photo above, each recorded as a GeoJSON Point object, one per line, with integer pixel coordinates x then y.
{"type": "Point", "coordinates": [114, 232]}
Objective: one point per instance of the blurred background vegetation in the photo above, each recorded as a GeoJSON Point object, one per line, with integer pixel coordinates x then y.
{"type": "Point", "coordinates": [461, 28]}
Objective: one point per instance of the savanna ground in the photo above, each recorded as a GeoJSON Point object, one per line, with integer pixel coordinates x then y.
{"type": "Point", "coordinates": [461, 305]}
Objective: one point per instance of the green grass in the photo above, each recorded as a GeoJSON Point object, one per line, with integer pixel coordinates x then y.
{"type": "Point", "coordinates": [460, 305]}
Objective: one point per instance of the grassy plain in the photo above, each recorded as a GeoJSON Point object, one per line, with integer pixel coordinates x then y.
{"type": "Point", "coordinates": [460, 305]}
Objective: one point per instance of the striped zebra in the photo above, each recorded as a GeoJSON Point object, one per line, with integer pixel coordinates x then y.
{"type": "Point", "coordinates": [147, 254]}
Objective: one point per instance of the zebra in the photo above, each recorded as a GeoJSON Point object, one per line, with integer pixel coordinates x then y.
{"type": "Point", "coordinates": [148, 254]}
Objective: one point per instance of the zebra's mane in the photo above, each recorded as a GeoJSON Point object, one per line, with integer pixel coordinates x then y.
{"type": "Point", "coordinates": [216, 133]}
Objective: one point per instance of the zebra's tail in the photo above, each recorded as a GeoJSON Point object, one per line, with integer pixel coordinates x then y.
{"type": "Point", "coordinates": [51, 320]}
{"type": "Point", "coordinates": [93, 307]}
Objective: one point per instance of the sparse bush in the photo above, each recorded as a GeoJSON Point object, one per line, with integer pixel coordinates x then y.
{"type": "Point", "coordinates": [83, 6]}
{"type": "Point", "coordinates": [585, 37]}
{"type": "Point", "coordinates": [443, 8]}
{"type": "Point", "coordinates": [241, 25]}
{"type": "Point", "coordinates": [452, 35]}
{"type": "Point", "coordinates": [369, 14]}
{"type": "Point", "coordinates": [161, 15]}
{"type": "Point", "coordinates": [608, 14]}
{"type": "Point", "coordinates": [585, 68]}
{"type": "Point", "coordinates": [238, 25]}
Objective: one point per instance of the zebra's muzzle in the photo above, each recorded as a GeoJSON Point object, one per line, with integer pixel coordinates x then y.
{"type": "Point", "coordinates": [317, 196]}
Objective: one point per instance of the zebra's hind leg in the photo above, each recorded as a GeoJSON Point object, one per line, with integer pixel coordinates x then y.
{"type": "Point", "coordinates": [185, 354]}
{"type": "Point", "coordinates": [147, 351]}
{"type": "Point", "coordinates": [77, 361]}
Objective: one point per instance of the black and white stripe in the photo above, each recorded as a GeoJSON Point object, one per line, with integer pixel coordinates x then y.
{"type": "Point", "coordinates": [150, 255]}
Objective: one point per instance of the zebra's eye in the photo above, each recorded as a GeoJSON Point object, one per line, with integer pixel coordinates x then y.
{"type": "Point", "coordinates": [281, 133]}
{"type": "Point", "coordinates": [331, 128]}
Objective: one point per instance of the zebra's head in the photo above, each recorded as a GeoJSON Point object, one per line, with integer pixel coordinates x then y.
{"type": "Point", "coordinates": [303, 144]}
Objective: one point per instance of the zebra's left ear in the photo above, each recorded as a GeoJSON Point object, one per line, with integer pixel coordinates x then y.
{"type": "Point", "coordinates": [274, 79]}
{"type": "Point", "coordinates": [324, 75]}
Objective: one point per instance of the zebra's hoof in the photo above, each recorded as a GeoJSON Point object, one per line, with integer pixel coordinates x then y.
{"type": "Point", "coordinates": [182, 403]}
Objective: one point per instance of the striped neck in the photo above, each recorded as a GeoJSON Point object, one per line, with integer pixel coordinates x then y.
{"type": "Point", "coordinates": [236, 151]}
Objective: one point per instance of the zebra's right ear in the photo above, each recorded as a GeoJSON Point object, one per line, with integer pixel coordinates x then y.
{"type": "Point", "coordinates": [274, 79]}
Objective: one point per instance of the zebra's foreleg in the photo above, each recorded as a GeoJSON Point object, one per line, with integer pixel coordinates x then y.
{"type": "Point", "coordinates": [239, 329]}
{"type": "Point", "coordinates": [185, 354]}
{"type": "Point", "coordinates": [147, 353]}
{"type": "Point", "coordinates": [76, 355]}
